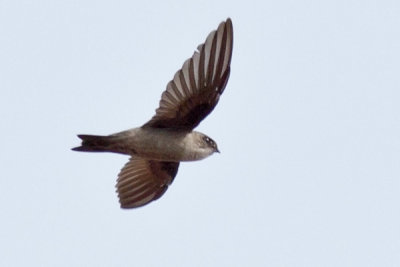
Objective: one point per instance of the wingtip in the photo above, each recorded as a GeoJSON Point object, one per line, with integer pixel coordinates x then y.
{"type": "Point", "coordinates": [228, 22]}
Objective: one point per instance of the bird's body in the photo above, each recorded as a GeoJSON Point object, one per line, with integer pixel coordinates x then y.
{"type": "Point", "coordinates": [157, 148]}
{"type": "Point", "coordinates": [148, 143]}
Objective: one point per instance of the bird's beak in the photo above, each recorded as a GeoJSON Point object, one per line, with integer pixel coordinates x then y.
{"type": "Point", "coordinates": [216, 150]}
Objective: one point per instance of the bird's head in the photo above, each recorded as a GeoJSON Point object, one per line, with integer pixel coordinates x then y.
{"type": "Point", "coordinates": [208, 144]}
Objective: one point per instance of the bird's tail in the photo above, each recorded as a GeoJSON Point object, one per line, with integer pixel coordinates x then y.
{"type": "Point", "coordinates": [97, 143]}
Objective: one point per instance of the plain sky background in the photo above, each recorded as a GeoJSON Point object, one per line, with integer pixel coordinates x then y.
{"type": "Point", "coordinates": [308, 127]}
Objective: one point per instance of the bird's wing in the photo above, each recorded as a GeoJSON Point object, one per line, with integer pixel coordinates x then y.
{"type": "Point", "coordinates": [196, 88]}
{"type": "Point", "coordinates": [142, 181]}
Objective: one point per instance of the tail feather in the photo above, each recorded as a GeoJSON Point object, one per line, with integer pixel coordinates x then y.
{"type": "Point", "coordinates": [95, 143]}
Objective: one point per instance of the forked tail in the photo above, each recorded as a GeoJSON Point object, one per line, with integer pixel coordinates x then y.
{"type": "Point", "coordinates": [96, 143]}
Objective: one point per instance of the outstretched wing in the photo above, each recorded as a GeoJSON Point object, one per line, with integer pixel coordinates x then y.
{"type": "Point", "coordinates": [142, 181]}
{"type": "Point", "coordinates": [196, 88]}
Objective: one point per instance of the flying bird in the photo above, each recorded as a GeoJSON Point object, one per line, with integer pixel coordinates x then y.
{"type": "Point", "coordinates": [157, 147]}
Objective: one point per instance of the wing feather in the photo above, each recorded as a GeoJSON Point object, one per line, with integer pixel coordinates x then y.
{"type": "Point", "coordinates": [196, 87]}
{"type": "Point", "coordinates": [142, 181]}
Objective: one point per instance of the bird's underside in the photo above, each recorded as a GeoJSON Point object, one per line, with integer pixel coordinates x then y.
{"type": "Point", "coordinates": [189, 98]}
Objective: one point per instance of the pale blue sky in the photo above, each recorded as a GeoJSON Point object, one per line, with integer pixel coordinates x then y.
{"type": "Point", "coordinates": [308, 127]}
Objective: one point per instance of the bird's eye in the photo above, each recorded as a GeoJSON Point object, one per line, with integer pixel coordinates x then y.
{"type": "Point", "coordinates": [207, 140]}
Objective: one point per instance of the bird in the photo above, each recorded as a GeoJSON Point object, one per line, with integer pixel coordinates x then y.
{"type": "Point", "coordinates": [168, 138]}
